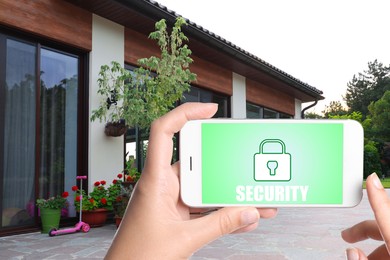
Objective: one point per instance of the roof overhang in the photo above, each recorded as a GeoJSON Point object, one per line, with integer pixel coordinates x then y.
{"type": "Point", "coordinates": [141, 16]}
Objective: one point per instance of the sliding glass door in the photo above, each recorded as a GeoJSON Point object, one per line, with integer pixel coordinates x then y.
{"type": "Point", "coordinates": [39, 129]}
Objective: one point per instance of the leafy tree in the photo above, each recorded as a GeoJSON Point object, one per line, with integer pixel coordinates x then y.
{"type": "Point", "coordinates": [371, 159]}
{"type": "Point", "coordinates": [367, 87]}
{"type": "Point", "coordinates": [380, 117]}
{"type": "Point", "coordinates": [313, 115]}
{"type": "Point", "coordinates": [335, 108]}
{"type": "Point", "coordinates": [151, 90]}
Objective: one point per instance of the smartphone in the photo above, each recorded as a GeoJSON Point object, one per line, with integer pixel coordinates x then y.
{"type": "Point", "coordinates": [271, 163]}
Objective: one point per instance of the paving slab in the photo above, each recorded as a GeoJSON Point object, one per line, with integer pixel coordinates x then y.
{"type": "Point", "coordinates": [296, 233]}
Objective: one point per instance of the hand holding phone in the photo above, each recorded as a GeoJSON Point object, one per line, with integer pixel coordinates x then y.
{"type": "Point", "coordinates": [269, 163]}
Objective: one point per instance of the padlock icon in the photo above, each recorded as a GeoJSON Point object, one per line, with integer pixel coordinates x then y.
{"type": "Point", "coordinates": [272, 166]}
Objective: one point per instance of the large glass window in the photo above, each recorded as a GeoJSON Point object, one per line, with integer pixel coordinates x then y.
{"type": "Point", "coordinates": [256, 111]}
{"type": "Point", "coordinates": [39, 111]}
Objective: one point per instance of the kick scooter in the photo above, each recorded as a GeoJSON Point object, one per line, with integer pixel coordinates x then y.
{"type": "Point", "coordinates": [80, 226]}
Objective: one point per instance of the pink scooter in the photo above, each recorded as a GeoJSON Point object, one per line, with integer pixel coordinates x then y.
{"type": "Point", "coordinates": [80, 226]}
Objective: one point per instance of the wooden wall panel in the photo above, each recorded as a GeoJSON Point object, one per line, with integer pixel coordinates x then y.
{"type": "Point", "coordinates": [54, 19]}
{"type": "Point", "coordinates": [209, 75]}
{"type": "Point", "coordinates": [138, 46]}
{"type": "Point", "coordinates": [266, 96]}
{"type": "Point", "coordinates": [212, 77]}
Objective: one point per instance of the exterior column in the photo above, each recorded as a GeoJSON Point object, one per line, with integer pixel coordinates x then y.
{"type": "Point", "coordinates": [238, 99]}
{"type": "Point", "coordinates": [106, 154]}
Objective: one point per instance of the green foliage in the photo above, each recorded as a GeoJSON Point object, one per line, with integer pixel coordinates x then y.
{"type": "Point", "coordinates": [312, 115]}
{"type": "Point", "coordinates": [367, 87]}
{"type": "Point", "coordinates": [57, 202]}
{"type": "Point", "coordinates": [371, 159]}
{"type": "Point", "coordinates": [99, 197]}
{"type": "Point", "coordinates": [380, 117]}
{"type": "Point", "coordinates": [354, 116]}
{"type": "Point", "coordinates": [335, 108]}
{"type": "Point", "coordinates": [141, 95]}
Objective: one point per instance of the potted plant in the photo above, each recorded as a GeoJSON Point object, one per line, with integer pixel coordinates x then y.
{"type": "Point", "coordinates": [50, 211]}
{"type": "Point", "coordinates": [97, 203]}
{"type": "Point", "coordinates": [121, 202]}
{"type": "Point", "coordinates": [137, 98]}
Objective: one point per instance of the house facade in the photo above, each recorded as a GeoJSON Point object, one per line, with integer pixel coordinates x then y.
{"type": "Point", "coordinates": [50, 56]}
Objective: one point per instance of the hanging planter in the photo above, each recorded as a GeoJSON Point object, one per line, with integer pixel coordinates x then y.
{"type": "Point", "coordinates": [115, 129]}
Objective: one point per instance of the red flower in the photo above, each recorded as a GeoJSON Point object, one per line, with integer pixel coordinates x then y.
{"type": "Point", "coordinates": [129, 178]}
{"type": "Point", "coordinates": [103, 182]}
{"type": "Point", "coordinates": [78, 198]}
{"type": "Point", "coordinates": [103, 201]}
{"type": "Point", "coordinates": [97, 183]}
{"type": "Point", "coordinates": [118, 199]}
{"type": "Point", "coordinates": [65, 194]}
{"type": "Point", "coordinates": [120, 175]}
{"type": "Point", "coordinates": [75, 188]}
{"type": "Point", "coordinates": [91, 200]}
{"type": "Point", "coordinates": [114, 181]}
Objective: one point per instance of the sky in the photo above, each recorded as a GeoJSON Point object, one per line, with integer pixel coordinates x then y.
{"type": "Point", "coordinates": [322, 43]}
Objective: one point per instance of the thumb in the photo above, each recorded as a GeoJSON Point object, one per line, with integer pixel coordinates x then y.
{"type": "Point", "coordinates": [222, 222]}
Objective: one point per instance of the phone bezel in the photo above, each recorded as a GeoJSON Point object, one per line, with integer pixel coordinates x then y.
{"type": "Point", "coordinates": [190, 161]}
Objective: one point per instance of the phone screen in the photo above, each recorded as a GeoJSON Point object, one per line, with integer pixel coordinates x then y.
{"type": "Point", "coordinates": [272, 163]}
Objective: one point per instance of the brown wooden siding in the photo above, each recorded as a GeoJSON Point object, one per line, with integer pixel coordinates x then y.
{"type": "Point", "coordinates": [212, 76]}
{"type": "Point", "coordinates": [209, 75]}
{"type": "Point", "coordinates": [57, 20]}
{"type": "Point", "coordinates": [266, 96]}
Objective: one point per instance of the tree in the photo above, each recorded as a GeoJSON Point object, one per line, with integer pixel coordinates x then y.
{"type": "Point", "coordinates": [335, 108]}
{"type": "Point", "coordinates": [313, 115]}
{"type": "Point", "coordinates": [367, 87]}
{"type": "Point", "coordinates": [151, 90]}
{"type": "Point", "coordinates": [380, 117]}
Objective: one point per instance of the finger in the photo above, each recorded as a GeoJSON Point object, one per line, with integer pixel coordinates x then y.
{"type": "Point", "coordinates": [362, 231]}
{"type": "Point", "coordinates": [379, 254]}
{"type": "Point", "coordinates": [160, 145]}
{"type": "Point", "coordinates": [355, 254]}
{"type": "Point", "coordinates": [268, 213]}
{"type": "Point", "coordinates": [219, 223]}
{"type": "Point", "coordinates": [380, 204]}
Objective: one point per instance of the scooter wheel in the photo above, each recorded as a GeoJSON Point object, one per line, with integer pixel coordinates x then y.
{"type": "Point", "coordinates": [85, 228]}
{"type": "Point", "coordinates": [51, 232]}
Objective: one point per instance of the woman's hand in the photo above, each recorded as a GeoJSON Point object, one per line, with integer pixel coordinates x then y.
{"type": "Point", "coordinates": [378, 229]}
{"type": "Point", "coordinates": [157, 224]}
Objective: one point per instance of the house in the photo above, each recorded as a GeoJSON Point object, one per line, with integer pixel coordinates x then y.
{"type": "Point", "coordinates": [50, 55]}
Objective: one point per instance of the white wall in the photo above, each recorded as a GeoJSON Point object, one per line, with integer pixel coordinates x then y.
{"type": "Point", "coordinates": [298, 109]}
{"type": "Point", "coordinates": [238, 99]}
{"type": "Point", "coordinates": [106, 154]}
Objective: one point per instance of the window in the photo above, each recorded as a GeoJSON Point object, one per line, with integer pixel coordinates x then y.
{"type": "Point", "coordinates": [136, 140]}
{"type": "Point", "coordinates": [40, 92]}
{"type": "Point", "coordinates": [201, 95]}
{"type": "Point", "coordinates": [255, 111]}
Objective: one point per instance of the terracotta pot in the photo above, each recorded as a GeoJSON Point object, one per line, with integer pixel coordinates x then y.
{"type": "Point", "coordinates": [118, 221]}
{"type": "Point", "coordinates": [95, 218]}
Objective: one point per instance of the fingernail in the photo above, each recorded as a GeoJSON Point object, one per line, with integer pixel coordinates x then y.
{"type": "Point", "coordinates": [249, 216]}
{"type": "Point", "coordinates": [352, 254]}
{"type": "Point", "coordinates": [376, 181]}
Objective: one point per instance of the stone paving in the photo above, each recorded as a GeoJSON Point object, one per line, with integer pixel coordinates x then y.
{"type": "Point", "coordinates": [296, 233]}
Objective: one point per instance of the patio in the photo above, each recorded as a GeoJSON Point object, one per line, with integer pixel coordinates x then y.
{"type": "Point", "coordinates": [296, 233]}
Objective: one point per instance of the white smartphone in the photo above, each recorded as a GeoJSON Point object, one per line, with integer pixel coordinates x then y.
{"type": "Point", "coordinates": [271, 163]}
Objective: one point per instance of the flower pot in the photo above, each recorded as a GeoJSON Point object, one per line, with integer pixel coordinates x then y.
{"type": "Point", "coordinates": [95, 218]}
{"type": "Point", "coordinates": [118, 221]}
{"type": "Point", "coordinates": [115, 129]}
{"type": "Point", "coordinates": [50, 219]}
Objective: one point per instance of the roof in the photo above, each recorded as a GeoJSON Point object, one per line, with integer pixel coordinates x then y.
{"type": "Point", "coordinates": [141, 15]}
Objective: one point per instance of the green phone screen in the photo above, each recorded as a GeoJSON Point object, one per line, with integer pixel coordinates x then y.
{"type": "Point", "coordinates": [272, 163]}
